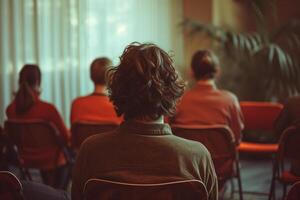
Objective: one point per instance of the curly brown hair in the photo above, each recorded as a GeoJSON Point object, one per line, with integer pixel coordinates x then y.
{"type": "Point", "coordinates": [145, 83]}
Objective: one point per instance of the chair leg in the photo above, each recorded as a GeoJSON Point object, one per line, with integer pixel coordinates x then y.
{"type": "Point", "coordinates": [284, 190]}
{"type": "Point", "coordinates": [239, 180]}
{"type": "Point", "coordinates": [231, 188]}
{"type": "Point", "coordinates": [240, 187]}
{"type": "Point", "coordinates": [272, 193]}
{"type": "Point", "coordinates": [272, 189]}
{"type": "Point", "coordinates": [67, 176]}
{"type": "Point", "coordinates": [27, 173]}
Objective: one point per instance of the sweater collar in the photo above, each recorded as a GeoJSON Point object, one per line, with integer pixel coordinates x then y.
{"type": "Point", "coordinates": [207, 84]}
{"type": "Point", "coordinates": [134, 127]}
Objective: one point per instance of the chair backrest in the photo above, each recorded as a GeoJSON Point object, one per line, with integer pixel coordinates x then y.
{"type": "Point", "coordinates": [2, 142]}
{"type": "Point", "coordinates": [10, 186]}
{"type": "Point", "coordinates": [289, 145]}
{"type": "Point", "coordinates": [260, 115]}
{"type": "Point", "coordinates": [294, 193]}
{"type": "Point", "coordinates": [111, 190]}
{"type": "Point", "coordinates": [38, 142]}
{"type": "Point", "coordinates": [218, 139]}
{"type": "Point", "coordinates": [81, 130]}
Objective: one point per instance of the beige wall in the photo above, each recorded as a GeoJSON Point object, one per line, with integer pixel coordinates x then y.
{"type": "Point", "coordinates": [232, 14]}
{"type": "Point", "coordinates": [226, 13]}
{"type": "Point", "coordinates": [199, 10]}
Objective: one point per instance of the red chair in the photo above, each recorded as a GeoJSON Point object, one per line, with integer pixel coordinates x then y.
{"type": "Point", "coordinates": [81, 130]}
{"type": "Point", "coordinates": [259, 116]}
{"type": "Point", "coordinates": [95, 189]}
{"type": "Point", "coordinates": [288, 153]}
{"type": "Point", "coordinates": [39, 145]}
{"type": "Point", "coordinates": [10, 186]}
{"type": "Point", "coordinates": [220, 142]}
{"type": "Point", "coordinates": [294, 193]}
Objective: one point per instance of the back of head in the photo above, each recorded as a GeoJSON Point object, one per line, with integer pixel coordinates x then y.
{"type": "Point", "coordinates": [98, 70]}
{"type": "Point", "coordinates": [204, 64]}
{"type": "Point", "coordinates": [145, 83]}
{"type": "Point", "coordinates": [29, 82]}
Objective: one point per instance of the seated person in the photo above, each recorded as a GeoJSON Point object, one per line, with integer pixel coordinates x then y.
{"type": "Point", "coordinates": [289, 116]}
{"type": "Point", "coordinates": [143, 88]}
{"type": "Point", "coordinates": [205, 104]}
{"type": "Point", "coordinates": [28, 105]}
{"type": "Point", "coordinates": [96, 106]}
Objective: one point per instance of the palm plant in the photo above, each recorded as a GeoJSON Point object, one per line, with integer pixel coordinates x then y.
{"type": "Point", "coordinates": [268, 59]}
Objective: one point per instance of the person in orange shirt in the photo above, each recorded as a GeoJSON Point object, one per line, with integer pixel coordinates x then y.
{"type": "Point", "coordinates": [28, 105]}
{"type": "Point", "coordinates": [204, 104]}
{"type": "Point", "coordinates": [96, 106]}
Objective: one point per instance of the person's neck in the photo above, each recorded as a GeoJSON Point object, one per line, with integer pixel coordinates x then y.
{"type": "Point", "coordinates": [100, 89]}
{"type": "Point", "coordinates": [206, 81]}
{"type": "Point", "coordinates": [146, 120]}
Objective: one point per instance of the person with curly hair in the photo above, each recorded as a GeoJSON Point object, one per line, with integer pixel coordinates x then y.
{"type": "Point", "coordinates": [144, 87]}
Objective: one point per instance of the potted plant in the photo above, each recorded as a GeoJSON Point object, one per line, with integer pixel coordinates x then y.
{"type": "Point", "coordinates": [261, 65]}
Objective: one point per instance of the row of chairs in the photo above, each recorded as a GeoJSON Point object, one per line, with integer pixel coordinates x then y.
{"type": "Point", "coordinates": [225, 157]}
{"type": "Point", "coordinates": [219, 140]}
{"type": "Point", "coordinates": [262, 116]}
{"type": "Point", "coordinates": [38, 144]}
{"type": "Point", "coordinates": [18, 131]}
{"type": "Point", "coordinates": [288, 152]}
{"type": "Point", "coordinates": [11, 189]}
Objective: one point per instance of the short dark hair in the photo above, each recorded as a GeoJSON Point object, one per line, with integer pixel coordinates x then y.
{"type": "Point", "coordinates": [204, 64]}
{"type": "Point", "coordinates": [145, 83]}
{"type": "Point", "coordinates": [98, 70]}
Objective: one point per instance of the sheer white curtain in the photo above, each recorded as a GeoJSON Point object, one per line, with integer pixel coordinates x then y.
{"type": "Point", "coordinates": [64, 36]}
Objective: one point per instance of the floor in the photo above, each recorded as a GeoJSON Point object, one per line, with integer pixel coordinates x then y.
{"type": "Point", "coordinates": [256, 176]}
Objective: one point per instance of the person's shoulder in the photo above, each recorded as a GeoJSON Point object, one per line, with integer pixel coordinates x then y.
{"type": "Point", "coordinates": [12, 104]}
{"type": "Point", "coordinates": [192, 90]}
{"type": "Point", "coordinates": [191, 146]}
{"type": "Point", "coordinates": [46, 105]}
{"type": "Point", "coordinates": [81, 99]}
{"type": "Point", "coordinates": [97, 139]}
{"type": "Point", "coordinates": [228, 95]}
{"type": "Point", "coordinates": [10, 108]}
{"type": "Point", "coordinates": [190, 94]}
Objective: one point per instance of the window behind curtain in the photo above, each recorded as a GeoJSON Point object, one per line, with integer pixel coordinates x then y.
{"type": "Point", "coordinates": [64, 36]}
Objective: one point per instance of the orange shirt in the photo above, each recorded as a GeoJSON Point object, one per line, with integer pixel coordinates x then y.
{"type": "Point", "coordinates": [94, 107]}
{"type": "Point", "coordinates": [41, 110]}
{"type": "Point", "coordinates": [206, 105]}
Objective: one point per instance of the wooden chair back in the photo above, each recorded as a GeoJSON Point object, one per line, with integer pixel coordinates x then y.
{"type": "Point", "coordinates": [96, 189]}
{"type": "Point", "coordinates": [81, 130]}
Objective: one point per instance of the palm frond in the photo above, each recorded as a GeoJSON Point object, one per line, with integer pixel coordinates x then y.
{"type": "Point", "coordinates": [274, 55]}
